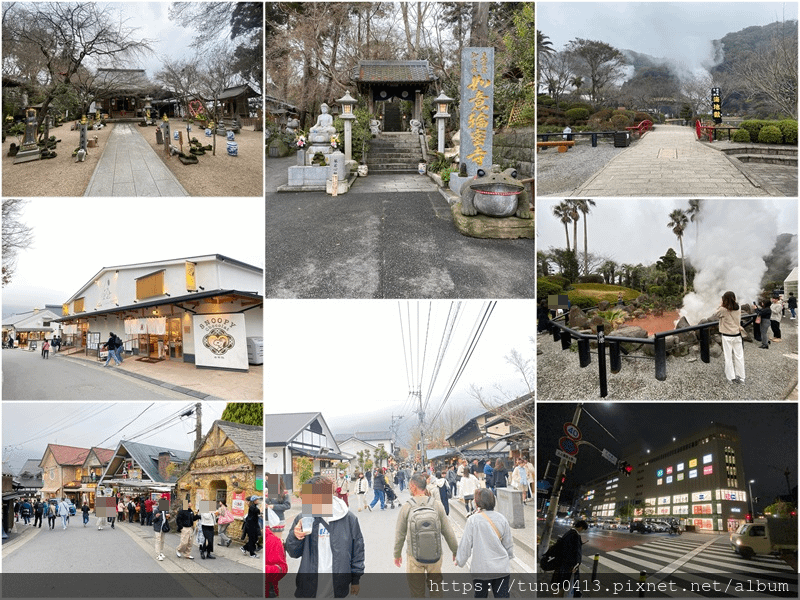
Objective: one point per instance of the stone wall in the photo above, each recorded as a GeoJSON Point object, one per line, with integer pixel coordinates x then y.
{"type": "Point", "coordinates": [515, 146]}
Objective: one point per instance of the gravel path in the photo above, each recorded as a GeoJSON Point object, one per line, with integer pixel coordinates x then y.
{"type": "Point", "coordinates": [559, 173]}
{"type": "Point", "coordinates": [59, 176]}
{"type": "Point", "coordinates": [771, 374]}
{"type": "Point", "coordinates": [219, 175]}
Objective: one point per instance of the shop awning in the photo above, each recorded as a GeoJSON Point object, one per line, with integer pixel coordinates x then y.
{"type": "Point", "coordinates": [183, 302]}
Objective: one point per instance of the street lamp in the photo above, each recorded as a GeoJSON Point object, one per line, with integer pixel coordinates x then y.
{"type": "Point", "coordinates": [750, 488]}
{"type": "Point", "coordinates": [441, 116]}
{"type": "Point", "coordinates": [347, 102]}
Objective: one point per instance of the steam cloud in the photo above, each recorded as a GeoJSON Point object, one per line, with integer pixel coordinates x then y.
{"type": "Point", "coordinates": [732, 239]}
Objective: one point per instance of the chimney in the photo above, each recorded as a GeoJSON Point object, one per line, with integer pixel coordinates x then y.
{"type": "Point", "coordinates": [163, 462]}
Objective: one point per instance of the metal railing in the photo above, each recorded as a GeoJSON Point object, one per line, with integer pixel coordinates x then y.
{"type": "Point", "coordinates": [565, 335]}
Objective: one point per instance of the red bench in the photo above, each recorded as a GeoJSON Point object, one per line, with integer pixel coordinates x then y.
{"type": "Point", "coordinates": [641, 128]}
{"type": "Point", "coordinates": [704, 130]}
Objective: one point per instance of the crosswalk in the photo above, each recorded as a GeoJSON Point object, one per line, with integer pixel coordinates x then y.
{"type": "Point", "coordinates": [685, 567]}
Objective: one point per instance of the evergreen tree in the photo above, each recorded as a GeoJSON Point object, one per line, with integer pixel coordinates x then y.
{"type": "Point", "coordinates": [246, 413]}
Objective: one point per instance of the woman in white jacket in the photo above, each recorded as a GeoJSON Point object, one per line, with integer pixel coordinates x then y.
{"type": "Point", "coordinates": [469, 483]}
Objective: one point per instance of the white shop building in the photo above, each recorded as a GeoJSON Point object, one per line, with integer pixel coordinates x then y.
{"type": "Point", "coordinates": [199, 309]}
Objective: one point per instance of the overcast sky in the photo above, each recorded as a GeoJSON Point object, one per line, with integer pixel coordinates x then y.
{"type": "Point", "coordinates": [29, 426]}
{"type": "Point", "coordinates": [635, 231]}
{"type": "Point", "coordinates": [346, 359]}
{"type": "Point", "coordinates": [681, 31]}
{"type": "Point", "coordinates": [71, 239]}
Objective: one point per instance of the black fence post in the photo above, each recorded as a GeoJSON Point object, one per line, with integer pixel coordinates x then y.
{"type": "Point", "coordinates": [661, 357]}
{"type": "Point", "coordinates": [705, 339]}
{"type": "Point", "coordinates": [566, 340]}
{"type": "Point", "coordinates": [614, 356]}
{"type": "Point", "coordinates": [601, 360]}
{"type": "Point", "coordinates": [594, 567]}
{"type": "Point", "coordinates": [555, 331]}
{"type": "Point", "coordinates": [642, 581]}
{"type": "Point", "coordinates": [594, 140]}
{"type": "Point", "coordinates": [584, 358]}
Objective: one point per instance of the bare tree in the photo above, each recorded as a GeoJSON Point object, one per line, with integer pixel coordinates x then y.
{"type": "Point", "coordinates": [16, 236]}
{"type": "Point", "coordinates": [70, 36]}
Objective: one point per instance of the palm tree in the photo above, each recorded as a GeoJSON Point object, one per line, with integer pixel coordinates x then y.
{"type": "Point", "coordinates": [585, 207]}
{"type": "Point", "coordinates": [577, 83]}
{"type": "Point", "coordinates": [575, 215]}
{"type": "Point", "coordinates": [543, 44]}
{"type": "Point", "coordinates": [694, 215]}
{"type": "Point", "coordinates": [562, 213]}
{"type": "Point", "coordinates": [678, 222]}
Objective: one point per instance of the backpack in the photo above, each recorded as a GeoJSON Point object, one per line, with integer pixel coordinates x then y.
{"type": "Point", "coordinates": [551, 559]}
{"type": "Point", "coordinates": [425, 532]}
{"type": "Point", "coordinates": [118, 342]}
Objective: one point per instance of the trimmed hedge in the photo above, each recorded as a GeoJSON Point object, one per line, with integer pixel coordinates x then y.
{"type": "Point", "coordinates": [753, 127]}
{"type": "Point", "coordinates": [578, 299]}
{"type": "Point", "coordinates": [546, 288]}
{"type": "Point", "coordinates": [788, 128]}
{"type": "Point", "coordinates": [742, 136]}
{"type": "Point", "coordinates": [770, 134]}
{"type": "Point", "coordinates": [576, 114]}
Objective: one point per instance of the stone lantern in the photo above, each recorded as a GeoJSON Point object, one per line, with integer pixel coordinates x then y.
{"type": "Point", "coordinates": [441, 116]}
{"type": "Point", "coordinates": [347, 103]}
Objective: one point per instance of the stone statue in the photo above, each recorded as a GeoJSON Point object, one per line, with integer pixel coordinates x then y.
{"type": "Point", "coordinates": [324, 121]}
{"type": "Point", "coordinates": [319, 136]}
{"type": "Point", "coordinates": [292, 126]}
{"type": "Point", "coordinates": [497, 194]}
{"type": "Point", "coordinates": [416, 126]}
{"type": "Point", "coordinates": [375, 127]}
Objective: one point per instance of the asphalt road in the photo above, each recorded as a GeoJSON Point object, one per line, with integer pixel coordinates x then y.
{"type": "Point", "coordinates": [91, 559]}
{"type": "Point", "coordinates": [26, 376]}
{"type": "Point", "coordinates": [385, 245]}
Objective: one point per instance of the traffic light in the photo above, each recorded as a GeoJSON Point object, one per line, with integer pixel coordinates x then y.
{"type": "Point", "coordinates": [624, 467]}
{"type": "Point", "coordinates": [748, 518]}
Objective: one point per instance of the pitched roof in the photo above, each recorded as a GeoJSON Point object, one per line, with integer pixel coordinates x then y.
{"type": "Point", "coordinates": [279, 429]}
{"type": "Point", "coordinates": [146, 456]}
{"type": "Point", "coordinates": [31, 466]}
{"type": "Point", "coordinates": [104, 455]}
{"type": "Point", "coordinates": [365, 436]}
{"type": "Point", "coordinates": [67, 455]}
{"type": "Point", "coordinates": [248, 438]}
{"type": "Point", "coordinates": [394, 71]}
{"type": "Point", "coordinates": [233, 92]}
{"type": "Point", "coordinates": [124, 80]}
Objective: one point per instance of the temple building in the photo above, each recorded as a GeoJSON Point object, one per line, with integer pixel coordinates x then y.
{"type": "Point", "coordinates": [199, 309]}
{"type": "Point", "coordinates": [390, 81]}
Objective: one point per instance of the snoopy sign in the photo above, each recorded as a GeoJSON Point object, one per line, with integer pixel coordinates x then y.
{"type": "Point", "coordinates": [220, 341]}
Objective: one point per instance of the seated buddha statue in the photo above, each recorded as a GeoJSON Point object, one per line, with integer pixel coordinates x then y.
{"type": "Point", "coordinates": [322, 131]}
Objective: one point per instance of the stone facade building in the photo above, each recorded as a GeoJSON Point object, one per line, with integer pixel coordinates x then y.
{"type": "Point", "coordinates": [228, 465]}
{"type": "Point", "coordinates": [62, 470]}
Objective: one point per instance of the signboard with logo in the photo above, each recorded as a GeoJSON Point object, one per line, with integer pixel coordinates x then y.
{"type": "Point", "coordinates": [220, 341]}
{"type": "Point", "coordinates": [716, 105]}
{"type": "Point", "coordinates": [238, 504]}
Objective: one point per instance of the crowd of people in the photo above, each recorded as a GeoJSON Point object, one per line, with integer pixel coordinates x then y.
{"type": "Point", "coordinates": [331, 547]}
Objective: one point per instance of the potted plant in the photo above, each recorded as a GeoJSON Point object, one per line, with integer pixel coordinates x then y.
{"type": "Point", "coordinates": [301, 143]}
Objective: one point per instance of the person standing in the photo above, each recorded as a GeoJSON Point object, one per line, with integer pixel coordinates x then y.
{"type": "Point", "coordinates": [401, 479]}
{"type": "Point", "coordinates": [27, 511]}
{"type": "Point", "coordinates": [120, 511]}
{"type": "Point", "coordinates": [131, 511]}
{"type": "Point", "coordinates": [85, 511]}
{"type": "Point", "coordinates": [775, 318]}
{"type": "Point", "coordinates": [46, 350]}
{"type": "Point", "coordinates": [329, 544]}
{"type": "Point", "coordinates": [361, 491]}
{"type": "Point", "coordinates": [223, 522]}
{"type": "Point", "coordinates": [251, 529]}
{"type": "Point", "coordinates": [443, 490]}
{"type": "Point", "coordinates": [52, 511]}
{"type": "Point", "coordinates": [452, 479]}
{"type": "Point", "coordinates": [500, 475]}
{"type": "Point", "coordinates": [519, 479]}
{"type": "Point", "coordinates": [488, 475]}
{"type": "Point", "coordinates": [343, 487]}
{"type": "Point", "coordinates": [207, 522]}
{"type": "Point", "coordinates": [421, 523]}
{"type": "Point", "coordinates": [280, 507]}
{"type": "Point", "coordinates": [148, 508]}
{"type": "Point", "coordinates": [469, 483]}
{"type": "Point", "coordinates": [487, 539]}
{"type": "Point", "coordinates": [531, 478]}
{"type": "Point", "coordinates": [111, 346]}
{"type": "Point", "coordinates": [378, 483]}
{"type": "Point", "coordinates": [63, 512]}
{"type": "Point", "coordinates": [274, 563]}
{"type": "Point", "coordinates": [185, 523]}
{"type": "Point", "coordinates": [730, 314]}
{"type": "Point", "coordinates": [160, 518]}
{"type": "Point", "coordinates": [568, 556]}
{"type": "Point", "coordinates": [762, 323]}
{"type": "Point", "coordinates": [792, 305]}
{"type": "Point", "coordinates": [38, 511]}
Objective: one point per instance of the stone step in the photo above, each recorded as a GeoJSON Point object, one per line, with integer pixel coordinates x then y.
{"type": "Point", "coordinates": [768, 150]}
{"type": "Point", "coordinates": [384, 145]}
{"type": "Point", "coordinates": [392, 170]}
{"type": "Point", "coordinates": [771, 159]}
{"type": "Point", "coordinates": [401, 155]}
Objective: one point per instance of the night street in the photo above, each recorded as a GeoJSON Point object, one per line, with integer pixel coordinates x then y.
{"type": "Point", "coordinates": [26, 376]}
{"type": "Point", "coordinates": [677, 563]}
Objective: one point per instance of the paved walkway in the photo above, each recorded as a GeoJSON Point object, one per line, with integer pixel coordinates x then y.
{"type": "Point", "coordinates": [670, 161]}
{"type": "Point", "coordinates": [129, 167]}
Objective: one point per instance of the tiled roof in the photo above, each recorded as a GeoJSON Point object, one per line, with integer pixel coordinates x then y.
{"type": "Point", "coordinates": [104, 455]}
{"type": "Point", "coordinates": [393, 71]}
{"type": "Point", "coordinates": [68, 455]}
{"type": "Point", "coordinates": [31, 466]}
{"type": "Point", "coordinates": [147, 458]}
{"type": "Point", "coordinates": [233, 92]}
{"type": "Point", "coordinates": [366, 436]}
{"type": "Point", "coordinates": [248, 438]}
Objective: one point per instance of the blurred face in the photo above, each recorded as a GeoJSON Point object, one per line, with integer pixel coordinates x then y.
{"type": "Point", "coordinates": [317, 499]}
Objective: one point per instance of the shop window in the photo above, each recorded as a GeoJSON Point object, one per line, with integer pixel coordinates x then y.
{"type": "Point", "coordinates": [150, 285]}
{"type": "Point", "coordinates": [77, 305]}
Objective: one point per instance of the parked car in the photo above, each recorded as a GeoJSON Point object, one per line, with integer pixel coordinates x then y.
{"type": "Point", "coordinates": [659, 526]}
{"type": "Point", "coordinates": [609, 524]}
{"type": "Point", "coordinates": [641, 527]}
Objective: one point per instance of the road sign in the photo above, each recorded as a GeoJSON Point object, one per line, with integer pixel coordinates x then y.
{"type": "Point", "coordinates": [572, 431]}
{"type": "Point", "coordinates": [568, 446]}
{"type": "Point", "coordinates": [610, 457]}
{"type": "Point", "coordinates": [566, 457]}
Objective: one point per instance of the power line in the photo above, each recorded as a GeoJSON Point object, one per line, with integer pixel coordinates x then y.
{"type": "Point", "coordinates": [124, 426]}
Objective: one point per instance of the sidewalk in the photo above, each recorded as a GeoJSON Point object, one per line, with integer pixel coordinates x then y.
{"type": "Point", "coordinates": [206, 384]}
{"type": "Point", "coordinates": [129, 167]}
{"type": "Point", "coordinates": [670, 161]}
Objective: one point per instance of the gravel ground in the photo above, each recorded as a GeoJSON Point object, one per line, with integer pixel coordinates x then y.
{"type": "Point", "coordinates": [62, 173]}
{"type": "Point", "coordinates": [219, 175]}
{"type": "Point", "coordinates": [560, 173]}
{"type": "Point", "coordinates": [771, 374]}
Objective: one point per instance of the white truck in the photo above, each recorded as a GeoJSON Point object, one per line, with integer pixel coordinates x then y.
{"type": "Point", "coordinates": [765, 536]}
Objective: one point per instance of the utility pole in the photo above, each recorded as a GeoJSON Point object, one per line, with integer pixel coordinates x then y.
{"type": "Point", "coordinates": [556, 494]}
{"type": "Point", "coordinates": [421, 416]}
{"type": "Point", "coordinates": [198, 430]}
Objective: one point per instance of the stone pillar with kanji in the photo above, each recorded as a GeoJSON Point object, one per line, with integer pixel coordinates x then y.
{"type": "Point", "coordinates": [477, 109]}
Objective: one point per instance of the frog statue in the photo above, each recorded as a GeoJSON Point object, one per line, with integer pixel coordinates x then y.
{"type": "Point", "coordinates": [498, 194]}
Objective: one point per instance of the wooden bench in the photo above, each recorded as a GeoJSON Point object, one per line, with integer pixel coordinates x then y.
{"type": "Point", "coordinates": [563, 145]}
